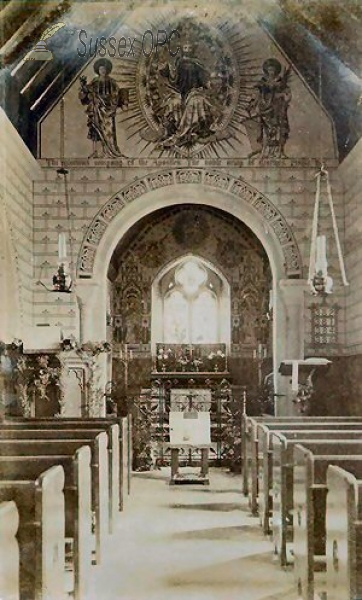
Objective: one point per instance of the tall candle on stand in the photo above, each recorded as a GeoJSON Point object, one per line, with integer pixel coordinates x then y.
{"type": "Point", "coordinates": [62, 248]}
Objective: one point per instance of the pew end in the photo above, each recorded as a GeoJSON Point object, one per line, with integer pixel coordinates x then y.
{"type": "Point", "coordinates": [9, 551]}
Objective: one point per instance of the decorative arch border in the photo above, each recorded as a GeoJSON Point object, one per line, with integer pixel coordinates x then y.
{"type": "Point", "coordinates": [235, 186]}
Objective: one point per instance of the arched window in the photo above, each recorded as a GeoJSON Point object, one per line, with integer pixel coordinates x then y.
{"type": "Point", "coordinates": [191, 312]}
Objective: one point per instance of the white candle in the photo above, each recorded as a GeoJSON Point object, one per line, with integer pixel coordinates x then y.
{"type": "Point", "coordinates": [62, 247]}
{"type": "Point", "coordinates": [321, 254]}
{"type": "Point", "coordinates": [295, 375]}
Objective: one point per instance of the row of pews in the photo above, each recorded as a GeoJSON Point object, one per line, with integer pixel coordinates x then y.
{"type": "Point", "coordinates": [303, 477]}
{"type": "Point", "coordinates": [61, 488]}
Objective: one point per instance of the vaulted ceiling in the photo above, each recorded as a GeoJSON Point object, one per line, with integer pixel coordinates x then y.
{"type": "Point", "coordinates": [322, 38]}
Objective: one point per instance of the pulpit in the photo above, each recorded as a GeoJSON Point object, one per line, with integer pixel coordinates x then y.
{"type": "Point", "coordinates": [190, 432]}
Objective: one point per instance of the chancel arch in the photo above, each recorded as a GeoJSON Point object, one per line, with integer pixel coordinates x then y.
{"type": "Point", "coordinates": [239, 200]}
{"type": "Point", "coordinates": [164, 188]}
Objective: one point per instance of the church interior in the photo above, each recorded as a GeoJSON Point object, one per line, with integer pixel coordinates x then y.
{"type": "Point", "coordinates": [181, 300]}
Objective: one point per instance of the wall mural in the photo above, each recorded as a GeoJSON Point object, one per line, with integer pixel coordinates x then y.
{"type": "Point", "coordinates": [188, 100]}
{"type": "Point", "coordinates": [197, 94]}
{"type": "Point", "coordinates": [212, 93]}
{"type": "Point", "coordinates": [103, 98]}
{"type": "Point", "coordinates": [198, 90]}
{"type": "Point", "coordinates": [226, 243]}
{"type": "Point", "coordinates": [268, 110]}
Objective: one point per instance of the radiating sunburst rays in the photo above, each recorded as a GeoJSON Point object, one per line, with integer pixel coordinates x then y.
{"type": "Point", "coordinates": [238, 37]}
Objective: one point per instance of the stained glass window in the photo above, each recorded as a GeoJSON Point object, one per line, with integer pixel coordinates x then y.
{"type": "Point", "coordinates": [204, 324]}
{"type": "Point", "coordinates": [176, 321]}
{"type": "Point", "coordinates": [191, 307]}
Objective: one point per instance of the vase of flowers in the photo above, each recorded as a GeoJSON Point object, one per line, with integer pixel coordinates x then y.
{"type": "Point", "coordinates": [196, 363]}
{"type": "Point", "coordinates": [217, 361]}
{"type": "Point", "coordinates": [165, 360]}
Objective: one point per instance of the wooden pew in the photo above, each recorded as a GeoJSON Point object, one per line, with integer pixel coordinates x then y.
{"type": "Point", "coordinates": [75, 433]}
{"type": "Point", "coordinates": [344, 533]}
{"type": "Point", "coordinates": [257, 448]}
{"type": "Point", "coordinates": [248, 425]}
{"type": "Point", "coordinates": [40, 504]}
{"type": "Point", "coordinates": [283, 480]}
{"type": "Point", "coordinates": [99, 468]}
{"type": "Point", "coordinates": [104, 423]}
{"type": "Point", "coordinates": [78, 510]}
{"type": "Point", "coordinates": [309, 522]}
{"type": "Point", "coordinates": [9, 551]}
{"type": "Point", "coordinates": [265, 459]}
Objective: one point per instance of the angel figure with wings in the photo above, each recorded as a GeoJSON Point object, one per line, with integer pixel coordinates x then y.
{"type": "Point", "coordinates": [269, 108]}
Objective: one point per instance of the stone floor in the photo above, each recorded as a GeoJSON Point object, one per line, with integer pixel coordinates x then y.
{"type": "Point", "coordinates": [189, 542]}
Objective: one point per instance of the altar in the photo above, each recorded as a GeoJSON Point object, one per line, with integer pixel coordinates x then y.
{"type": "Point", "coordinates": [189, 430]}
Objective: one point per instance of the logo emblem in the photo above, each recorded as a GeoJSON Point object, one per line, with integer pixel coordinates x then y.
{"type": "Point", "coordinates": [40, 50]}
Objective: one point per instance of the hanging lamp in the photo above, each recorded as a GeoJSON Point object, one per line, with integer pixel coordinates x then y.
{"type": "Point", "coordinates": [62, 279]}
{"type": "Point", "coordinates": [318, 279]}
{"type": "Point", "coordinates": [320, 282]}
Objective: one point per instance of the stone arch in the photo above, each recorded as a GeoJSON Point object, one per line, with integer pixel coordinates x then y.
{"type": "Point", "coordinates": [201, 185]}
{"type": "Point", "coordinates": [217, 189]}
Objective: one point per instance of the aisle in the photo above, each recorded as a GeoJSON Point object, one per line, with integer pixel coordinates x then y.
{"type": "Point", "coordinates": [189, 543]}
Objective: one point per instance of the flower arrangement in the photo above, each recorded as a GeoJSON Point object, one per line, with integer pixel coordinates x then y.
{"type": "Point", "coordinates": [217, 361]}
{"type": "Point", "coordinates": [92, 348]}
{"type": "Point", "coordinates": [68, 344]}
{"type": "Point", "coordinates": [191, 358]}
{"type": "Point", "coordinates": [197, 364]}
{"type": "Point", "coordinates": [183, 362]}
{"type": "Point", "coordinates": [165, 359]}
{"type": "Point", "coordinates": [95, 348]}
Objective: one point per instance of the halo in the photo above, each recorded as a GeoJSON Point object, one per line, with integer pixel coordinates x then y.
{"type": "Point", "coordinates": [103, 62]}
{"type": "Point", "coordinates": [272, 62]}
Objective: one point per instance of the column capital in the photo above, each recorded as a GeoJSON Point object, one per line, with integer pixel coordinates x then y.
{"type": "Point", "coordinates": [85, 290]}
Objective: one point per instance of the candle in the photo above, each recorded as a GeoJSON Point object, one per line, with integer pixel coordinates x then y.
{"type": "Point", "coordinates": [295, 375]}
{"type": "Point", "coordinates": [321, 254]}
{"type": "Point", "coordinates": [62, 248]}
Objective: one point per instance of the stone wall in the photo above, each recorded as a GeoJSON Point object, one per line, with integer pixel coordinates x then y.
{"type": "Point", "coordinates": [343, 388]}
{"type": "Point", "coordinates": [351, 175]}
{"type": "Point", "coordinates": [289, 185]}
{"type": "Point", "coordinates": [19, 170]}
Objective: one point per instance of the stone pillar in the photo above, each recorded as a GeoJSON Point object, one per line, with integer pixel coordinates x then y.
{"type": "Point", "coordinates": [92, 307]}
{"type": "Point", "coordinates": [290, 333]}
{"type": "Point", "coordinates": [73, 385]}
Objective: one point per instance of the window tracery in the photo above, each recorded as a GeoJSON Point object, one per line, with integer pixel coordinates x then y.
{"type": "Point", "coordinates": [190, 304]}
